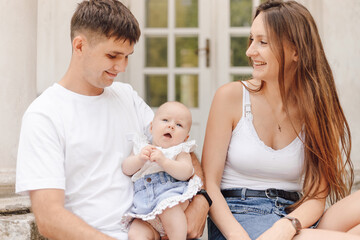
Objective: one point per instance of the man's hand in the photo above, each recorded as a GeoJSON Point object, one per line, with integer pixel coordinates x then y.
{"type": "Point", "coordinates": [196, 214]}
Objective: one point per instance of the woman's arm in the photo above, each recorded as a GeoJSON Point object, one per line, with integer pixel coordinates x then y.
{"type": "Point", "coordinates": [224, 114]}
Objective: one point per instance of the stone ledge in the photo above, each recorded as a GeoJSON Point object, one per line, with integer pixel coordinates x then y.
{"type": "Point", "coordinates": [19, 227]}
{"type": "Point", "coordinates": [7, 182]}
{"type": "Point", "coordinates": [16, 221]}
{"type": "Point", "coordinates": [14, 203]}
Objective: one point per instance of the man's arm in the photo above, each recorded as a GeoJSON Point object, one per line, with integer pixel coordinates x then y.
{"type": "Point", "coordinates": [197, 210]}
{"type": "Point", "coordinates": [55, 222]}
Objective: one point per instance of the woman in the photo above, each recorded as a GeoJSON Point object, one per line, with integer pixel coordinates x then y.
{"type": "Point", "coordinates": [281, 133]}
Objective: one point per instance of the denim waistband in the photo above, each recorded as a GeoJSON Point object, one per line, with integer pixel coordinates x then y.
{"type": "Point", "coordinates": [153, 178]}
{"type": "Point", "coordinates": [268, 193]}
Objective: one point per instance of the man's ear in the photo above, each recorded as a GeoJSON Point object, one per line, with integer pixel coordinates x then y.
{"type": "Point", "coordinates": [78, 44]}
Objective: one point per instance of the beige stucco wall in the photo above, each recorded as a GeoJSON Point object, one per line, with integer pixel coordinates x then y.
{"type": "Point", "coordinates": [17, 76]}
{"type": "Point", "coordinates": [341, 32]}
{"type": "Point", "coordinates": [53, 40]}
{"type": "Point", "coordinates": [339, 28]}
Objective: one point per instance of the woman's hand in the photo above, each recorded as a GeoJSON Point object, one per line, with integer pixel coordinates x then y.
{"type": "Point", "coordinates": [281, 230]}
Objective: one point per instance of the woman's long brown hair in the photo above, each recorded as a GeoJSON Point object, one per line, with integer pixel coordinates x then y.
{"type": "Point", "coordinates": [327, 134]}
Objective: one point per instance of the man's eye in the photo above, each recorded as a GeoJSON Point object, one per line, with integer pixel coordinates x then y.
{"type": "Point", "coordinates": [111, 56]}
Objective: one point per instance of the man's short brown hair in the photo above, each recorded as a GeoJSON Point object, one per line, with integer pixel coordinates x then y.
{"type": "Point", "coordinates": [109, 18]}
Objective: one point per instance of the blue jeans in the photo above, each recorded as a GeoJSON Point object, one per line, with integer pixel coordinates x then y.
{"type": "Point", "coordinates": [255, 214]}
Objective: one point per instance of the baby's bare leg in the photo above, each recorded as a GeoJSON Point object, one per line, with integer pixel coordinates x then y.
{"type": "Point", "coordinates": [140, 230]}
{"type": "Point", "coordinates": [174, 223]}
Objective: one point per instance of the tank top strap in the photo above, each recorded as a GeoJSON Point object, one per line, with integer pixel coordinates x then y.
{"type": "Point", "coordinates": [246, 103]}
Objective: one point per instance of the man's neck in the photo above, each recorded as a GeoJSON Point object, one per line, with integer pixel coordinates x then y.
{"type": "Point", "coordinates": [75, 82]}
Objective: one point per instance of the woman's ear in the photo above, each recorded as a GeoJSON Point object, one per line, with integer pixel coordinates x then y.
{"type": "Point", "coordinates": [295, 56]}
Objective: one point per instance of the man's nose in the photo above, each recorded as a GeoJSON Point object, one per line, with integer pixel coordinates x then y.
{"type": "Point", "coordinates": [121, 65]}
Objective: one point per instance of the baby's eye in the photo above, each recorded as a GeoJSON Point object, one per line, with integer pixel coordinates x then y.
{"type": "Point", "coordinates": [164, 120]}
{"type": "Point", "coordinates": [179, 125]}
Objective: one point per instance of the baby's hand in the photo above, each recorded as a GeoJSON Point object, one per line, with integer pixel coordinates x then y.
{"type": "Point", "coordinates": [157, 156]}
{"type": "Point", "coordinates": [145, 153]}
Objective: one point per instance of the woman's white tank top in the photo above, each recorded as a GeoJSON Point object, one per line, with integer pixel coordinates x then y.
{"type": "Point", "coordinates": [252, 164]}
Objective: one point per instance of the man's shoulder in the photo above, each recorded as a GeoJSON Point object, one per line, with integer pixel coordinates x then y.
{"type": "Point", "coordinates": [46, 100]}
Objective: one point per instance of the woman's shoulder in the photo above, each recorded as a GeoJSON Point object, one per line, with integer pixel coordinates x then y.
{"type": "Point", "coordinates": [227, 102]}
{"type": "Point", "coordinates": [230, 91]}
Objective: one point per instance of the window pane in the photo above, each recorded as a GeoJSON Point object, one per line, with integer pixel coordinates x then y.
{"type": "Point", "coordinates": [186, 13]}
{"type": "Point", "coordinates": [156, 13]}
{"type": "Point", "coordinates": [240, 13]}
{"type": "Point", "coordinates": [186, 51]}
{"type": "Point", "coordinates": [156, 51]}
{"type": "Point", "coordinates": [186, 88]}
{"type": "Point", "coordinates": [241, 77]}
{"type": "Point", "coordinates": [156, 89]}
{"type": "Point", "coordinates": [238, 47]}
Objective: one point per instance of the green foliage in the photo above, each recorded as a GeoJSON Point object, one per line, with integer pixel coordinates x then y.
{"type": "Point", "coordinates": [156, 89]}
{"type": "Point", "coordinates": [156, 13]}
{"type": "Point", "coordinates": [238, 46]}
{"type": "Point", "coordinates": [240, 13]}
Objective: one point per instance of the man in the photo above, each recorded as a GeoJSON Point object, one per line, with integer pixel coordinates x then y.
{"type": "Point", "coordinates": [74, 136]}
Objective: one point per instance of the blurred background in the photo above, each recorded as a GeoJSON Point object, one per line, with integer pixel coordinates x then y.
{"type": "Point", "coordinates": [188, 48]}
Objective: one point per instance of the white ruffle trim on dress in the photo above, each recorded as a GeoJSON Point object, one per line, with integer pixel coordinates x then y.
{"type": "Point", "coordinates": [194, 185]}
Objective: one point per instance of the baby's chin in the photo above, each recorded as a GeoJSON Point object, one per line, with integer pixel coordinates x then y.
{"type": "Point", "coordinates": [167, 144]}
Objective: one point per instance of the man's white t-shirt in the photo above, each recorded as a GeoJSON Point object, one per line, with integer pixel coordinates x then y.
{"type": "Point", "coordinates": [77, 143]}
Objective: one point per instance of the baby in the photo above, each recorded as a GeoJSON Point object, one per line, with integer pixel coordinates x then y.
{"type": "Point", "coordinates": [160, 173]}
